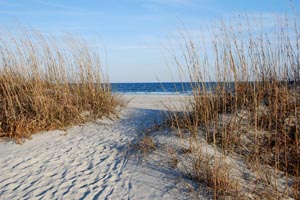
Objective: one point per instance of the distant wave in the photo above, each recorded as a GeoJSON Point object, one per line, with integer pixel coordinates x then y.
{"type": "Point", "coordinates": [152, 88]}
{"type": "Point", "coordinates": [156, 93]}
{"type": "Point", "coordinates": [165, 88]}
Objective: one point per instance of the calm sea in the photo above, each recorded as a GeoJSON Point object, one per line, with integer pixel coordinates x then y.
{"type": "Point", "coordinates": [168, 88]}
{"type": "Point", "coordinates": [165, 88]}
{"type": "Point", "coordinates": [152, 88]}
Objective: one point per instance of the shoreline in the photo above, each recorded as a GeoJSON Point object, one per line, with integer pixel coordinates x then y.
{"type": "Point", "coordinates": [157, 102]}
{"type": "Point", "coordinates": [153, 94]}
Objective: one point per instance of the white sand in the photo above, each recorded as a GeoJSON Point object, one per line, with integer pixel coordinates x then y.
{"type": "Point", "coordinates": [157, 102]}
{"type": "Point", "coordinates": [98, 160]}
{"type": "Point", "coordinates": [91, 161]}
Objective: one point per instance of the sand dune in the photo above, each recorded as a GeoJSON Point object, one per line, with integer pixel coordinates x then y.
{"type": "Point", "coordinates": [90, 161]}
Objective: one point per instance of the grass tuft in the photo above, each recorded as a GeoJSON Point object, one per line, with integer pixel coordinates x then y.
{"type": "Point", "coordinates": [250, 109]}
{"type": "Point", "coordinates": [48, 83]}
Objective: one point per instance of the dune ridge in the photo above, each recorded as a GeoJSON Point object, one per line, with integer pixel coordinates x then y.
{"type": "Point", "coordinates": [89, 161]}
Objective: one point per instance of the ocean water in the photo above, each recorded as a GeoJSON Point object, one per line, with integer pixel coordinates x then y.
{"type": "Point", "coordinates": [165, 88]}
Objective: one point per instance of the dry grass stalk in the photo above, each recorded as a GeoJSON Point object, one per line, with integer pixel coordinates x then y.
{"type": "Point", "coordinates": [253, 106]}
{"type": "Point", "coordinates": [48, 83]}
{"type": "Point", "coordinates": [216, 176]}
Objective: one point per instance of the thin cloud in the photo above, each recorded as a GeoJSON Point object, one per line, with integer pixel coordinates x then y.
{"type": "Point", "coordinates": [155, 4]}
{"type": "Point", "coordinates": [58, 5]}
{"type": "Point", "coordinates": [8, 3]}
{"type": "Point", "coordinates": [201, 5]}
{"type": "Point", "coordinates": [48, 8]}
{"type": "Point", "coordinates": [133, 47]}
{"type": "Point", "coordinates": [169, 1]}
{"type": "Point", "coordinates": [49, 13]}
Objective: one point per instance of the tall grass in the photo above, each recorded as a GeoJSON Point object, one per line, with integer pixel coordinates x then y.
{"type": "Point", "coordinates": [252, 111]}
{"type": "Point", "coordinates": [48, 83]}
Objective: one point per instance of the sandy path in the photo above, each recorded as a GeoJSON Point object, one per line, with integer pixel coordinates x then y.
{"type": "Point", "coordinates": [86, 162]}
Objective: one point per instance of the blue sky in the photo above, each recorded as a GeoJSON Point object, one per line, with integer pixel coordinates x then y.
{"type": "Point", "coordinates": [133, 35]}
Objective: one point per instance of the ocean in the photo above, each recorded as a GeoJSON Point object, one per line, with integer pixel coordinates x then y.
{"type": "Point", "coordinates": [165, 88]}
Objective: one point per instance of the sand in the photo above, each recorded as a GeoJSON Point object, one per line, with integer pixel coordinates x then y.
{"type": "Point", "coordinates": [91, 161]}
{"type": "Point", "coordinates": [157, 102]}
{"type": "Point", "coordinates": [102, 160]}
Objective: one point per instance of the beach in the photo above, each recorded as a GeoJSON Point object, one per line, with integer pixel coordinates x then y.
{"type": "Point", "coordinates": [117, 100]}
{"type": "Point", "coordinates": [92, 160]}
{"type": "Point", "coordinates": [131, 156]}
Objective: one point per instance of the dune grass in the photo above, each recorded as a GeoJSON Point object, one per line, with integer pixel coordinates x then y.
{"type": "Point", "coordinates": [49, 83]}
{"type": "Point", "coordinates": [251, 112]}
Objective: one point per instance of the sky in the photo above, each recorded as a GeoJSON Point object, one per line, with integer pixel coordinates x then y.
{"type": "Point", "coordinates": [133, 36]}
